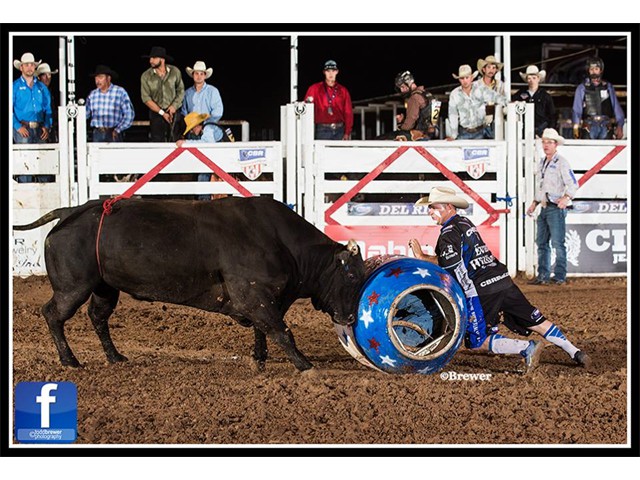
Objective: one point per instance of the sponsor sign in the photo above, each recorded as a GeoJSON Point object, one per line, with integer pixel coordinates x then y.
{"type": "Point", "coordinates": [393, 209]}
{"type": "Point", "coordinates": [475, 160]}
{"type": "Point", "coordinates": [595, 206]}
{"type": "Point", "coordinates": [252, 160]}
{"type": "Point", "coordinates": [393, 240]}
{"type": "Point", "coordinates": [599, 248]}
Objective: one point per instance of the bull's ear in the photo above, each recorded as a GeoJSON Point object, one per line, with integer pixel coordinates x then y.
{"type": "Point", "coordinates": [353, 248]}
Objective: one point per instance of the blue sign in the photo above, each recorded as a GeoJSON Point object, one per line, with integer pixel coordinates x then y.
{"type": "Point", "coordinates": [46, 412]}
{"type": "Point", "coordinates": [475, 153]}
{"type": "Point", "coordinates": [252, 154]}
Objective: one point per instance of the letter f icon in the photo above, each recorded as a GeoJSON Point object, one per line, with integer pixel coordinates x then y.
{"type": "Point", "coordinates": [44, 399]}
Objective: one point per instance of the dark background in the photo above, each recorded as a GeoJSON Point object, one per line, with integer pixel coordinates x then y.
{"type": "Point", "coordinates": [252, 72]}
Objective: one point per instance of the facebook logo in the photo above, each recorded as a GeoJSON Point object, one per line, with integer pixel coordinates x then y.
{"type": "Point", "coordinates": [46, 412]}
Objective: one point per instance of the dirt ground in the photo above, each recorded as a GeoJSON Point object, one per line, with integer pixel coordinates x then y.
{"type": "Point", "coordinates": [189, 379]}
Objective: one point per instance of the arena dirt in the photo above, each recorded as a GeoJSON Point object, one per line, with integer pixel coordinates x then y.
{"type": "Point", "coordinates": [189, 379]}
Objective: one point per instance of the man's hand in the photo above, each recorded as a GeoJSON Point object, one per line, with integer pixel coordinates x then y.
{"type": "Point", "coordinates": [576, 131]}
{"type": "Point", "coordinates": [179, 143]}
{"type": "Point", "coordinates": [23, 131]}
{"type": "Point", "coordinates": [563, 202]}
{"type": "Point", "coordinates": [45, 133]}
{"type": "Point", "coordinates": [532, 208]}
{"type": "Point", "coordinates": [618, 132]}
{"type": "Point", "coordinates": [399, 118]}
{"type": "Point", "coordinates": [114, 135]}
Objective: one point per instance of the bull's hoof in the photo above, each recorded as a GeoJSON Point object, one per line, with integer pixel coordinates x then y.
{"type": "Point", "coordinates": [70, 362]}
{"type": "Point", "coordinates": [117, 358]}
{"type": "Point", "coordinates": [310, 373]}
{"type": "Point", "coordinates": [258, 365]}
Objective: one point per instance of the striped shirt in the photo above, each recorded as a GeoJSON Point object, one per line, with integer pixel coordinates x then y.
{"type": "Point", "coordinates": [110, 109]}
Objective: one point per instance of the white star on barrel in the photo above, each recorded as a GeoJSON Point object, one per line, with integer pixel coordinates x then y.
{"type": "Point", "coordinates": [388, 360]}
{"type": "Point", "coordinates": [423, 272]}
{"type": "Point", "coordinates": [366, 318]}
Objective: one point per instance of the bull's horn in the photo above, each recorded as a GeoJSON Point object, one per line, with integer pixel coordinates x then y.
{"type": "Point", "coordinates": [352, 247]}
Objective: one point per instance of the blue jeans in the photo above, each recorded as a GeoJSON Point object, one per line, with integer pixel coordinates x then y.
{"type": "Point", "coordinates": [552, 227]}
{"type": "Point", "coordinates": [464, 134]}
{"type": "Point", "coordinates": [325, 132]}
{"type": "Point", "coordinates": [105, 136]}
{"type": "Point", "coordinates": [34, 137]}
{"type": "Point", "coordinates": [598, 129]}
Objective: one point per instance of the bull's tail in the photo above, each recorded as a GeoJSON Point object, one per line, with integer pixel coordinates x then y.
{"type": "Point", "coordinates": [59, 213]}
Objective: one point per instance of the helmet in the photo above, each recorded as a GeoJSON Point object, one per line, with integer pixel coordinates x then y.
{"type": "Point", "coordinates": [597, 61]}
{"type": "Point", "coordinates": [404, 78]}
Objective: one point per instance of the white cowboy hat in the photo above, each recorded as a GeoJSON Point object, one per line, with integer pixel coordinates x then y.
{"type": "Point", "coordinates": [551, 134]}
{"type": "Point", "coordinates": [26, 58]}
{"type": "Point", "coordinates": [490, 59]}
{"type": "Point", "coordinates": [533, 70]}
{"type": "Point", "coordinates": [199, 66]}
{"type": "Point", "coordinates": [443, 195]}
{"type": "Point", "coordinates": [44, 68]}
{"type": "Point", "coordinates": [465, 71]}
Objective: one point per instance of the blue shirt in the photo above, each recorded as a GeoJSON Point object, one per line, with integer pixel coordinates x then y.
{"type": "Point", "coordinates": [578, 99]}
{"type": "Point", "coordinates": [110, 109]}
{"type": "Point", "coordinates": [207, 100]}
{"type": "Point", "coordinates": [31, 104]}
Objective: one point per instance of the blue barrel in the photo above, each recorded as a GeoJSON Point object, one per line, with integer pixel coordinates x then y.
{"type": "Point", "coordinates": [412, 317]}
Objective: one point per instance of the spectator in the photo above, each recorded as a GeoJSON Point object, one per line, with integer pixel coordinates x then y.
{"type": "Point", "coordinates": [194, 128]}
{"type": "Point", "coordinates": [595, 106]}
{"type": "Point", "coordinates": [31, 111]}
{"type": "Point", "coordinates": [109, 107]}
{"type": "Point", "coordinates": [488, 288]}
{"type": "Point", "coordinates": [556, 186]}
{"type": "Point", "coordinates": [44, 74]}
{"type": "Point", "coordinates": [421, 120]}
{"type": "Point", "coordinates": [333, 114]}
{"type": "Point", "coordinates": [162, 91]}
{"type": "Point", "coordinates": [467, 106]}
{"type": "Point", "coordinates": [204, 98]}
{"type": "Point", "coordinates": [488, 69]}
{"type": "Point", "coordinates": [544, 109]}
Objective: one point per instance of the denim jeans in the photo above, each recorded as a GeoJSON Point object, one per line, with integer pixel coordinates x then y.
{"type": "Point", "coordinates": [466, 135]}
{"type": "Point", "coordinates": [105, 136]}
{"type": "Point", "coordinates": [552, 227]}
{"type": "Point", "coordinates": [325, 132]}
{"type": "Point", "coordinates": [34, 137]}
{"type": "Point", "coordinates": [598, 129]}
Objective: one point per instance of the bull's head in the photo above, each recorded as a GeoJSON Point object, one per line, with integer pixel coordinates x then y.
{"type": "Point", "coordinates": [345, 282]}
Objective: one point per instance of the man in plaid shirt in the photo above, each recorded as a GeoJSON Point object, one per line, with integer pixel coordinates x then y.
{"type": "Point", "coordinates": [109, 107]}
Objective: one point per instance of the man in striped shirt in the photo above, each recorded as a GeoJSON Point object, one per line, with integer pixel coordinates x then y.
{"type": "Point", "coordinates": [109, 107]}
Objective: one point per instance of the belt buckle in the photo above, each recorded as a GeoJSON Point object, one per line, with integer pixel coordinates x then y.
{"type": "Point", "coordinates": [34, 124]}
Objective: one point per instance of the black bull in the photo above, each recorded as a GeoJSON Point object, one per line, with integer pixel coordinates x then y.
{"type": "Point", "coordinates": [248, 258]}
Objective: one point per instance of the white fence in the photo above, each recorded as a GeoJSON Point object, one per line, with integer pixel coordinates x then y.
{"type": "Point", "coordinates": [352, 189]}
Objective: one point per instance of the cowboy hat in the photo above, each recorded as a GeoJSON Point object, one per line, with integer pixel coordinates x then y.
{"type": "Point", "coordinates": [199, 66]}
{"type": "Point", "coordinates": [104, 70]}
{"type": "Point", "coordinates": [443, 195]}
{"type": "Point", "coordinates": [194, 118]}
{"type": "Point", "coordinates": [26, 58]}
{"type": "Point", "coordinates": [465, 71]}
{"type": "Point", "coordinates": [533, 70]}
{"type": "Point", "coordinates": [45, 68]}
{"type": "Point", "coordinates": [490, 59]}
{"type": "Point", "coordinates": [159, 52]}
{"type": "Point", "coordinates": [551, 134]}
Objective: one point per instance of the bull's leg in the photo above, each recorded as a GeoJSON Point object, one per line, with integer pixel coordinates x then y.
{"type": "Point", "coordinates": [57, 311]}
{"type": "Point", "coordinates": [103, 302]}
{"type": "Point", "coordinates": [283, 337]}
{"type": "Point", "coordinates": [260, 349]}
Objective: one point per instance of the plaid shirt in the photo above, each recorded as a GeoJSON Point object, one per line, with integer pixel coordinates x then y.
{"type": "Point", "coordinates": [110, 109]}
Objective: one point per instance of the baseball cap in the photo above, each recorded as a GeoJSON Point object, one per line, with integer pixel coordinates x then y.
{"type": "Point", "coordinates": [330, 65]}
